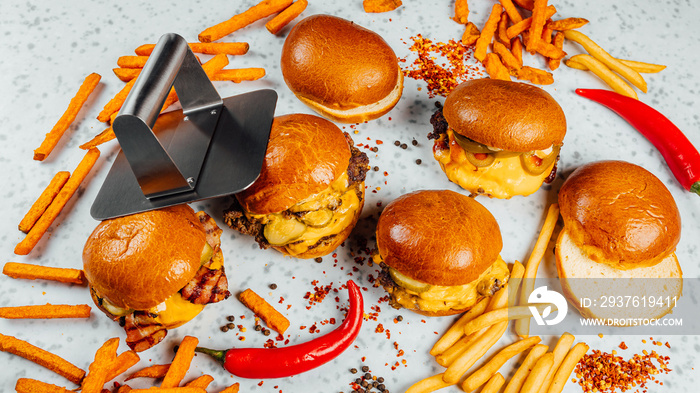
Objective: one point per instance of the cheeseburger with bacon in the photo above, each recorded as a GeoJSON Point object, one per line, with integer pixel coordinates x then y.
{"type": "Point", "coordinates": [498, 138]}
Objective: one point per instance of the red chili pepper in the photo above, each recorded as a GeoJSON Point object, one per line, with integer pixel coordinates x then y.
{"type": "Point", "coordinates": [296, 359]}
{"type": "Point", "coordinates": [681, 156]}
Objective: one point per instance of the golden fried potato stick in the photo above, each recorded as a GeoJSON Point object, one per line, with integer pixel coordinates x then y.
{"type": "Point", "coordinates": [514, 281]}
{"type": "Point", "coordinates": [273, 318]}
{"type": "Point", "coordinates": [183, 358]}
{"type": "Point", "coordinates": [37, 272]}
{"type": "Point", "coordinates": [28, 385]}
{"type": "Point", "coordinates": [261, 10]}
{"type": "Point", "coordinates": [493, 317]}
{"type": "Point", "coordinates": [456, 331]}
{"type": "Point", "coordinates": [494, 384]}
{"type": "Point", "coordinates": [99, 369]}
{"type": "Point", "coordinates": [276, 24]}
{"type": "Point", "coordinates": [477, 349]}
{"type": "Point", "coordinates": [47, 196]}
{"type": "Point", "coordinates": [604, 57]}
{"type": "Point", "coordinates": [647, 68]}
{"type": "Point", "coordinates": [76, 103]}
{"type": "Point", "coordinates": [46, 311]}
{"type": "Point", "coordinates": [446, 358]}
{"type": "Point", "coordinates": [461, 12]}
{"type": "Point", "coordinates": [560, 350]}
{"type": "Point", "coordinates": [482, 375]}
{"type": "Point", "coordinates": [517, 380]}
{"type": "Point", "coordinates": [566, 367]}
{"type": "Point", "coordinates": [54, 209]}
{"type": "Point", "coordinates": [429, 384]}
{"type": "Point", "coordinates": [534, 380]}
{"type": "Point", "coordinates": [207, 48]}
{"type": "Point", "coordinates": [487, 32]}
{"type": "Point", "coordinates": [603, 72]}
{"type": "Point", "coordinates": [41, 357]}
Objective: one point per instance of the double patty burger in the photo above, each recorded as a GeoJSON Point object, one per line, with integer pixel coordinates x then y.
{"type": "Point", "coordinates": [498, 138]}
{"type": "Point", "coordinates": [155, 271]}
{"type": "Point", "coordinates": [310, 191]}
{"type": "Point", "coordinates": [439, 252]}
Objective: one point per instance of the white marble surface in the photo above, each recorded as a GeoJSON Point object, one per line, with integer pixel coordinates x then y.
{"type": "Point", "coordinates": [48, 47]}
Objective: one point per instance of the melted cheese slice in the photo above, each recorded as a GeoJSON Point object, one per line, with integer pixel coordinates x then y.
{"type": "Point", "coordinates": [504, 178]}
{"type": "Point", "coordinates": [458, 297]}
{"type": "Point", "coordinates": [176, 311]}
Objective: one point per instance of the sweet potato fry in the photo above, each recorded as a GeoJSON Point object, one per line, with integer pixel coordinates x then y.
{"type": "Point", "coordinates": [76, 103]}
{"type": "Point", "coordinates": [46, 311]}
{"type": "Point", "coordinates": [41, 357]}
{"type": "Point", "coordinates": [100, 367]}
{"type": "Point", "coordinates": [200, 382]}
{"type": "Point", "coordinates": [510, 61]}
{"type": "Point", "coordinates": [501, 32]}
{"type": "Point", "coordinates": [276, 24]}
{"type": "Point", "coordinates": [155, 371]}
{"type": "Point", "coordinates": [558, 43]}
{"type": "Point", "coordinates": [566, 24]}
{"type": "Point", "coordinates": [28, 385]}
{"type": "Point", "coordinates": [126, 74]}
{"type": "Point", "coordinates": [124, 389]}
{"type": "Point", "coordinates": [178, 368]}
{"type": "Point", "coordinates": [377, 6]}
{"type": "Point", "coordinates": [237, 75]}
{"type": "Point", "coordinates": [132, 61]}
{"type": "Point", "coordinates": [44, 200]}
{"type": "Point", "coordinates": [461, 12]}
{"type": "Point", "coordinates": [207, 48]}
{"type": "Point", "coordinates": [105, 136]}
{"type": "Point", "coordinates": [33, 272]}
{"type": "Point", "coordinates": [261, 10]}
{"type": "Point", "coordinates": [525, 24]}
{"type": "Point", "coordinates": [232, 389]}
{"type": "Point", "coordinates": [214, 65]}
{"type": "Point", "coordinates": [603, 72]}
{"type": "Point", "coordinates": [526, 4]}
{"type": "Point", "coordinates": [549, 50]}
{"type": "Point", "coordinates": [534, 75]}
{"type": "Point", "coordinates": [539, 18]}
{"type": "Point", "coordinates": [273, 318]}
{"type": "Point", "coordinates": [54, 209]}
{"type": "Point", "coordinates": [123, 362]}
{"type": "Point", "coordinates": [487, 32]}
{"type": "Point", "coordinates": [510, 9]}
{"type": "Point", "coordinates": [116, 102]}
{"type": "Point", "coordinates": [516, 48]}
{"type": "Point", "coordinates": [495, 68]}
{"type": "Point", "coordinates": [471, 34]}
{"type": "Point", "coordinates": [184, 389]}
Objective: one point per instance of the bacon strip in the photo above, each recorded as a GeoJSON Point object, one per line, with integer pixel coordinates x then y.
{"type": "Point", "coordinates": [142, 331]}
{"type": "Point", "coordinates": [212, 230]}
{"type": "Point", "coordinates": [208, 285]}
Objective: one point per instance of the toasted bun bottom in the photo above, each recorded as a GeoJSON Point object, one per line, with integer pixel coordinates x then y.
{"type": "Point", "coordinates": [443, 313]}
{"type": "Point", "coordinates": [582, 277]}
{"type": "Point", "coordinates": [361, 113]}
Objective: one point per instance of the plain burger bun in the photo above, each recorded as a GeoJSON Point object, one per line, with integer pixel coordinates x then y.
{"type": "Point", "coordinates": [507, 115]}
{"type": "Point", "coordinates": [140, 260]}
{"type": "Point", "coordinates": [341, 70]}
{"type": "Point", "coordinates": [620, 214]}
{"type": "Point", "coordinates": [438, 237]}
{"type": "Point", "coordinates": [304, 156]}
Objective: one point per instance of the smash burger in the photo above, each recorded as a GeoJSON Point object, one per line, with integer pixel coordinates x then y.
{"type": "Point", "coordinates": [498, 138]}
{"type": "Point", "coordinates": [439, 252]}
{"type": "Point", "coordinates": [155, 271]}
{"type": "Point", "coordinates": [310, 191]}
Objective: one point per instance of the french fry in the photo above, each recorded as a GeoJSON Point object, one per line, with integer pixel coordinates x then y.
{"type": "Point", "coordinates": [510, 61]}
{"type": "Point", "coordinates": [126, 74]}
{"type": "Point", "coordinates": [557, 42]}
{"type": "Point", "coordinates": [517, 380]}
{"type": "Point", "coordinates": [600, 54]}
{"type": "Point", "coordinates": [231, 389]}
{"type": "Point", "coordinates": [522, 326]}
{"type": "Point", "coordinates": [560, 350]}
{"type": "Point", "coordinates": [261, 10]}
{"type": "Point", "coordinates": [516, 277]}
{"type": "Point", "coordinates": [54, 209]}
{"type": "Point", "coordinates": [501, 31]}
{"type": "Point", "coordinates": [132, 61]}
{"type": "Point", "coordinates": [99, 369]}
{"type": "Point", "coordinates": [377, 6]}
{"type": "Point", "coordinates": [538, 20]}
{"type": "Point", "coordinates": [516, 48]}
{"type": "Point", "coordinates": [471, 34]}
{"type": "Point", "coordinates": [525, 24]}
{"type": "Point", "coordinates": [184, 389]}
{"type": "Point", "coordinates": [276, 24]}
{"type": "Point", "coordinates": [535, 75]}
{"type": "Point", "coordinates": [467, 359]}
{"type": "Point", "coordinates": [510, 9]}
{"type": "Point", "coordinates": [461, 12]}
{"type": "Point", "coordinates": [207, 48]}
{"type": "Point", "coordinates": [455, 332]}
{"type": "Point", "coordinates": [237, 75]}
{"type": "Point", "coordinates": [116, 102]}
{"type": "Point", "coordinates": [499, 315]}
{"type": "Point", "coordinates": [566, 24]}
{"type": "Point", "coordinates": [76, 103]}
{"type": "Point", "coordinates": [178, 368]}
{"type": "Point", "coordinates": [446, 358]}
{"type": "Point", "coordinates": [429, 384]}
{"type": "Point", "coordinates": [494, 384]}
{"type": "Point", "coordinates": [482, 375]}
{"type": "Point", "coordinates": [155, 371]}
{"type": "Point", "coordinates": [273, 318]}
{"type": "Point", "coordinates": [105, 136]}
{"type": "Point", "coordinates": [123, 362]}
{"type": "Point", "coordinates": [44, 200]}
{"type": "Point", "coordinates": [526, 4]}
{"type": "Point", "coordinates": [46, 311]}
{"type": "Point", "coordinates": [603, 72]}
{"type": "Point", "coordinates": [487, 32]}
{"type": "Point", "coordinates": [124, 389]}
{"type": "Point", "coordinates": [200, 382]}
{"type": "Point", "coordinates": [495, 68]}
{"type": "Point", "coordinates": [41, 357]}
{"type": "Point", "coordinates": [647, 68]}
{"type": "Point", "coordinates": [37, 272]}
{"type": "Point", "coordinates": [501, 297]}
{"type": "Point", "coordinates": [28, 385]}
{"type": "Point", "coordinates": [566, 367]}
{"type": "Point", "coordinates": [539, 371]}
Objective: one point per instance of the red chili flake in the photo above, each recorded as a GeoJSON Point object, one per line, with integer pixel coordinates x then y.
{"type": "Point", "coordinates": [379, 142]}
{"type": "Point", "coordinates": [623, 345]}
{"type": "Point", "coordinates": [260, 383]}
{"type": "Point", "coordinates": [379, 328]}
{"type": "Point", "coordinates": [605, 373]}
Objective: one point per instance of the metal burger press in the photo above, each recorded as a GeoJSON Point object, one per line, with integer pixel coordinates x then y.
{"type": "Point", "coordinates": [211, 148]}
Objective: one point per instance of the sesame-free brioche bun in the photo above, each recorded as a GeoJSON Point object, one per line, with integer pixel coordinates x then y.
{"type": "Point", "coordinates": [343, 71]}
{"type": "Point", "coordinates": [620, 214]}
{"type": "Point", "coordinates": [511, 116]}
{"type": "Point", "coordinates": [438, 237]}
{"type": "Point", "coordinates": [305, 154]}
{"type": "Point", "coordinates": [140, 260]}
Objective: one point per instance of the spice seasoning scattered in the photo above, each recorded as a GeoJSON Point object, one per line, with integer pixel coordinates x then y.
{"type": "Point", "coordinates": [367, 383]}
{"type": "Point", "coordinates": [443, 78]}
{"type": "Point", "coordinates": [605, 373]}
